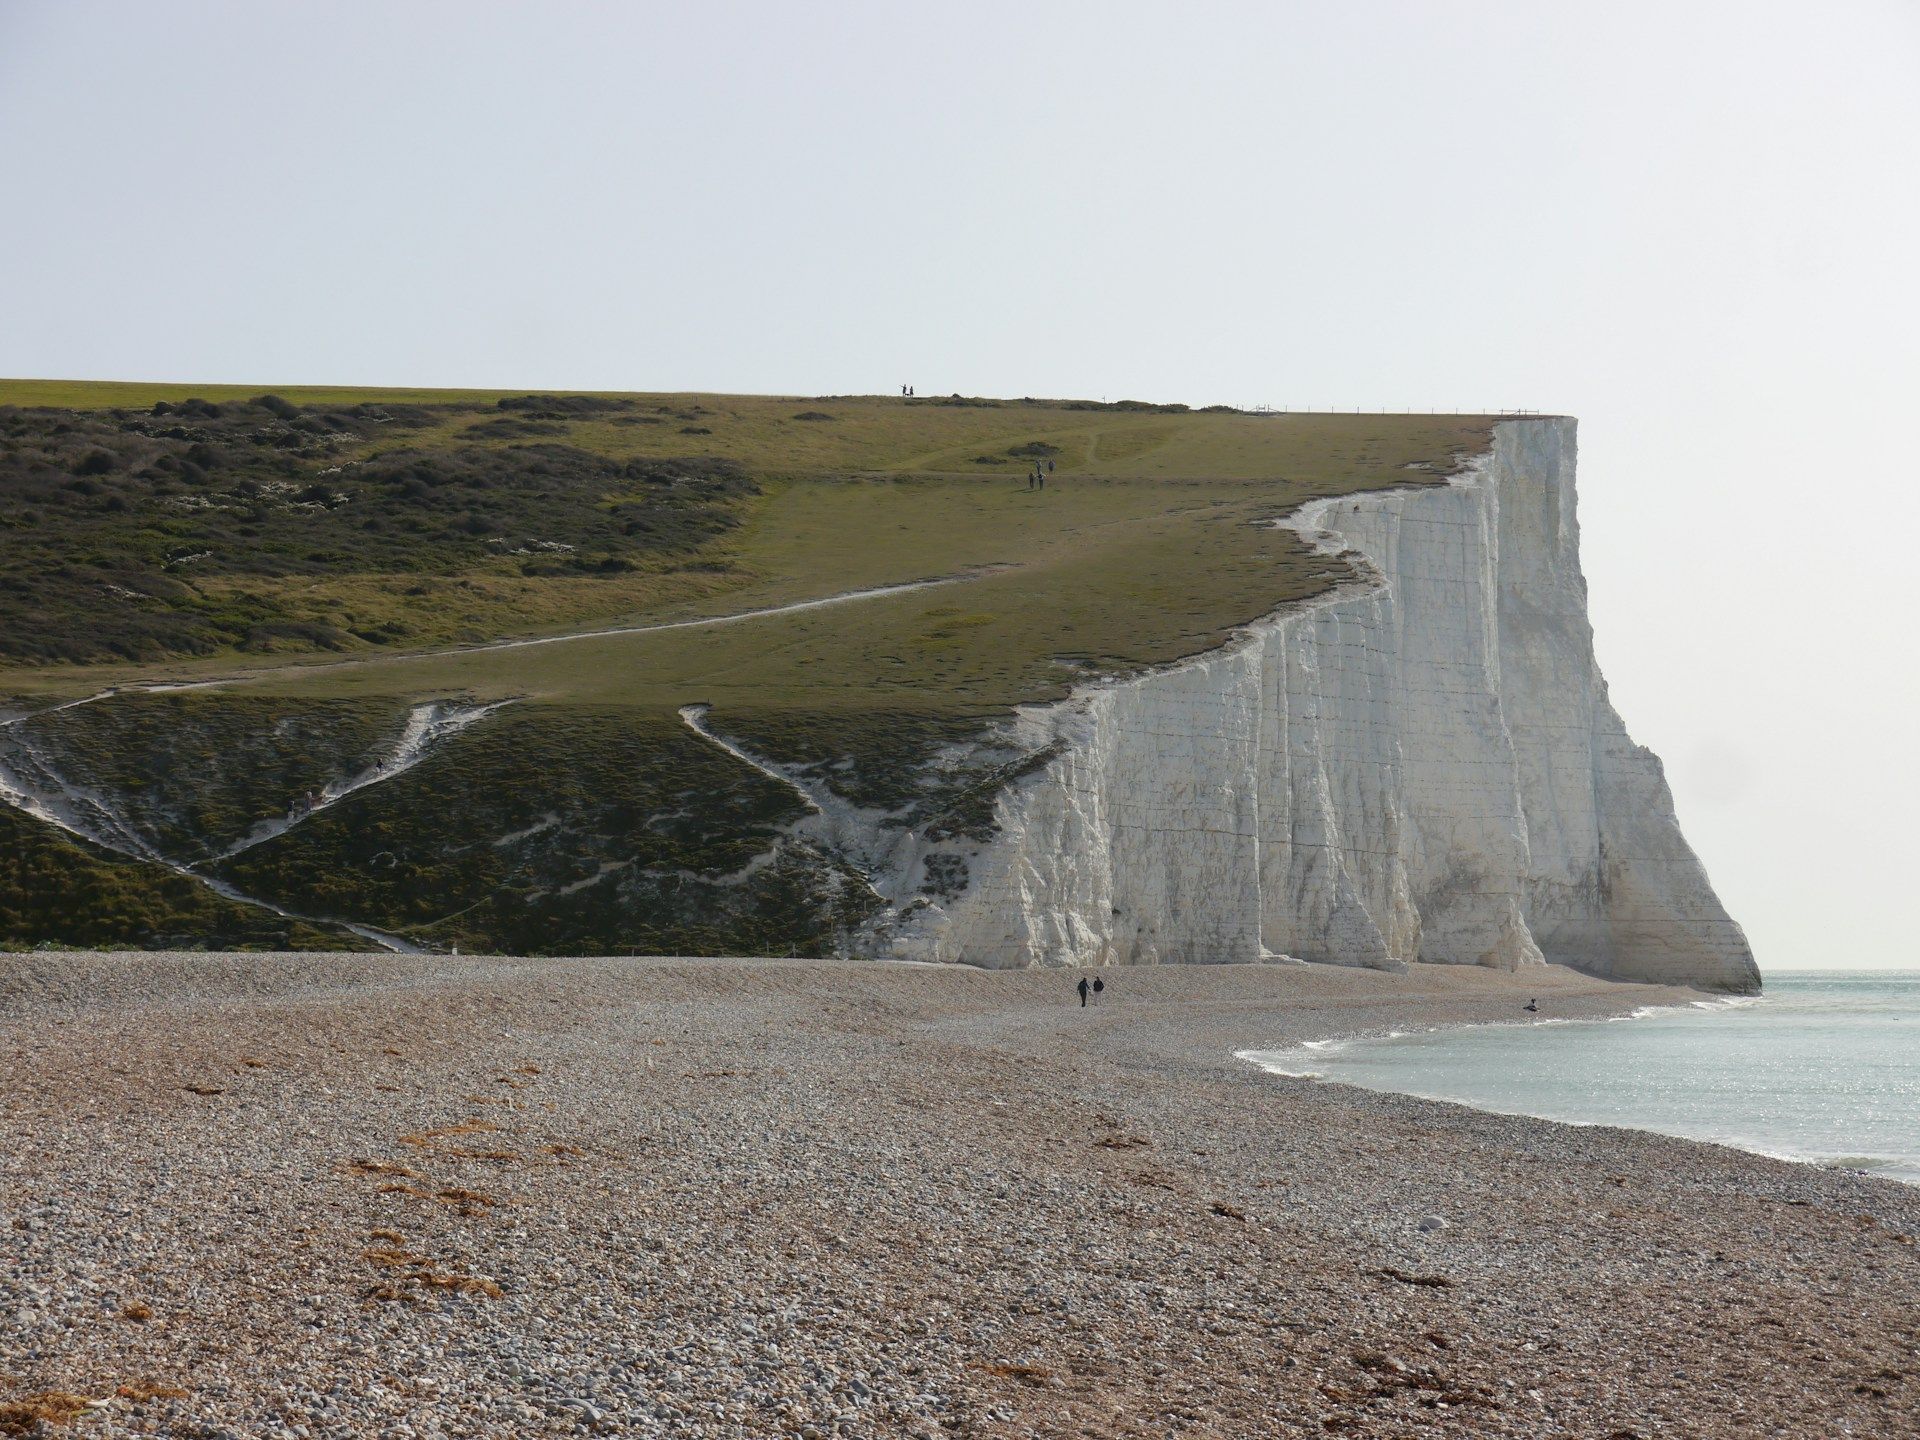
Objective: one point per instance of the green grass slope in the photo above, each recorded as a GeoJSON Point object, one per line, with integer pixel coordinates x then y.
{"type": "Point", "coordinates": [350, 550]}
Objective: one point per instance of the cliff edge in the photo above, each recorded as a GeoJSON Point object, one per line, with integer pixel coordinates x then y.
{"type": "Point", "coordinates": [1423, 764]}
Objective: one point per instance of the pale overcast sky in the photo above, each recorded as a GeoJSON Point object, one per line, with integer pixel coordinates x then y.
{"type": "Point", "coordinates": [1694, 225]}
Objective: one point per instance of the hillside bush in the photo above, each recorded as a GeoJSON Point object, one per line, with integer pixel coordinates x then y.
{"type": "Point", "coordinates": [205, 496]}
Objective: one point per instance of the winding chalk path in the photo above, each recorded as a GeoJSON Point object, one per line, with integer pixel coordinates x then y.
{"type": "Point", "coordinates": [732, 617]}
{"type": "Point", "coordinates": [694, 717]}
{"type": "Point", "coordinates": [31, 782]}
{"type": "Point", "coordinates": [845, 597]}
{"type": "Point", "coordinates": [427, 727]}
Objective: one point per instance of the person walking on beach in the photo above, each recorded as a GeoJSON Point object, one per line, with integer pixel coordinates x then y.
{"type": "Point", "coordinates": [1083, 992]}
{"type": "Point", "coordinates": [1098, 986]}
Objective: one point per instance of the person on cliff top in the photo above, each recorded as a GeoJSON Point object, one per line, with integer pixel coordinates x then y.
{"type": "Point", "coordinates": [1083, 992]}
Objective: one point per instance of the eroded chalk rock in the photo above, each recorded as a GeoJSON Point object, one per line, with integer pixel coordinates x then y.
{"type": "Point", "coordinates": [1422, 765]}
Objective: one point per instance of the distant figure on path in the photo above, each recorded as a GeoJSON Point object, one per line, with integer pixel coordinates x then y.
{"type": "Point", "coordinates": [1098, 986]}
{"type": "Point", "coordinates": [1049, 467]}
{"type": "Point", "coordinates": [1083, 992]}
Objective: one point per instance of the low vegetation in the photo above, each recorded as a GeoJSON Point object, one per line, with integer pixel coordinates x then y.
{"type": "Point", "coordinates": [568, 830]}
{"type": "Point", "coordinates": [55, 890]}
{"type": "Point", "coordinates": [194, 772]}
{"type": "Point", "coordinates": [188, 529]}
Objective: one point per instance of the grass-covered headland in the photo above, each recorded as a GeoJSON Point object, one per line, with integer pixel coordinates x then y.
{"type": "Point", "coordinates": [337, 557]}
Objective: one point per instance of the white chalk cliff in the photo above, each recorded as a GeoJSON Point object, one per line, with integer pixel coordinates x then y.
{"type": "Point", "coordinates": [1422, 765]}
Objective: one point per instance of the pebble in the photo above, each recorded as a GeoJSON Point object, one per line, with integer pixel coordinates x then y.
{"type": "Point", "coordinates": [795, 1225]}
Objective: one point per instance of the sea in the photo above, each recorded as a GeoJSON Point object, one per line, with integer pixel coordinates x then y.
{"type": "Point", "coordinates": [1824, 1067]}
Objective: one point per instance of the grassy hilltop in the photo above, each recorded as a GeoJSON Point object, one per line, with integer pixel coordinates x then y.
{"type": "Point", "coordinates": [343, 553]}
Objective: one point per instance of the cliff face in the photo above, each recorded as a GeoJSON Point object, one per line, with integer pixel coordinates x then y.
{"type": "Point", "coordinates": [1423, 765]}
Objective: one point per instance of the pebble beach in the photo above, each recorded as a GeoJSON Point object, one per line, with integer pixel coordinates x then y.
{"type": "Point", "coordinates": [348, 1195]}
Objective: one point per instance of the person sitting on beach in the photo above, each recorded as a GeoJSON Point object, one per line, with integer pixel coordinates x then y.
{"type": "Point", "coordinates": [1532, 1006]}
{"type": "Point", "coordinates": [1083, 992]}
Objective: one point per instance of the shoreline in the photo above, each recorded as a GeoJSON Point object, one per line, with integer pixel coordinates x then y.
{"type": "Point", "coordinates": [329, 1195]}
{"type": "Point", "coordinates": [1703, 1000]}
{"type": "Point", "coordinates": [1349, 1060]}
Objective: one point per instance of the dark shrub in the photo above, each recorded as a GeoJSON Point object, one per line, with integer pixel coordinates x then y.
{"type": "Point", "coordinates": [95, 462]}
{"type": "Point", "coordinates": [508, 427]}
{"type": "Point", "coordinates": [685, 467]}
{"type": "Point", "coordinates": [266, 636]}
{"type": "Point", "coordinates": [558, 407]}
